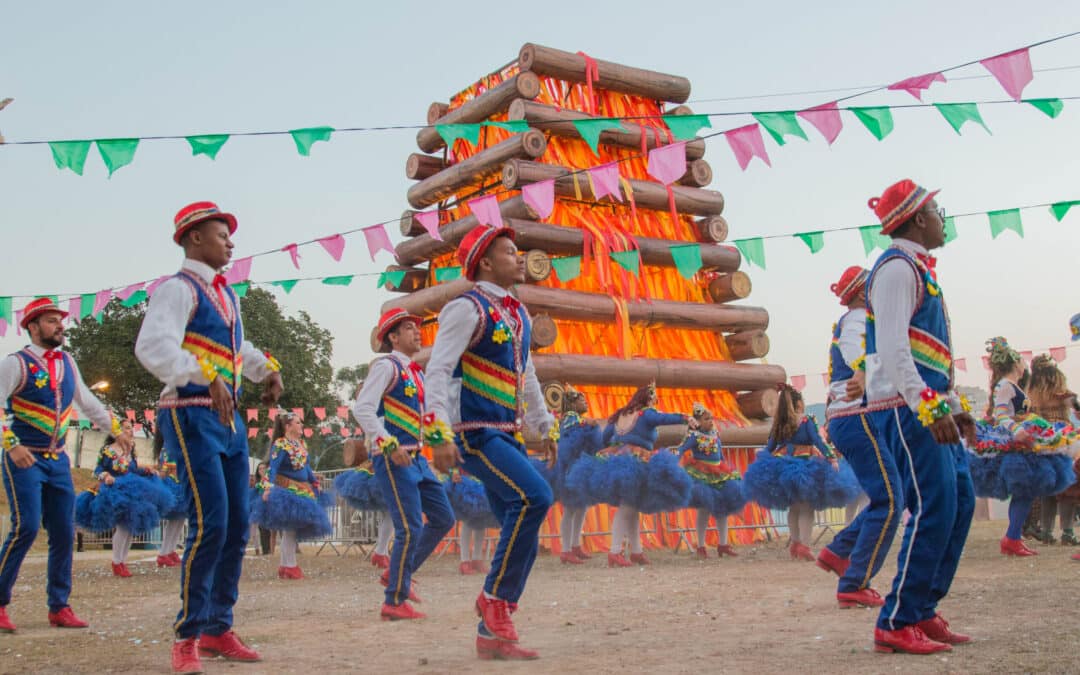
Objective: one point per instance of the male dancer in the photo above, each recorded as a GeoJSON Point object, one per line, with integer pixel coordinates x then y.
{"type": "Point", "coordinates": [920, 418]}
{"type": "Point", "coordinates": [192, 339]}
{"type": "Point", "coordinates": [390, 408]}
{"type": "Point", "coordinates": [858, 551]}
{"type": "Point", "coordinates": [481, 379]}
{"type": "Point", "coordinates": [38, 385]}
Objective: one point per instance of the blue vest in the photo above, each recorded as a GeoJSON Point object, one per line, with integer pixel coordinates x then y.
{"type": "Point", "coordinates": [928, 333]}
{"type": "Point", "coordinates": [703, 447]}
{"type": "Point", "coordinates": [39, 415]}
{"type": "Point", "coordinates": [839, 370]}
{"type": "Point", "coordinates": [643, 434]}
{"type": "Point", "coordinates": [401, 406]}
{"type": "Point", "coordinates": [492, 369]}
{"type": "Point", "coordinates": [212, 336]}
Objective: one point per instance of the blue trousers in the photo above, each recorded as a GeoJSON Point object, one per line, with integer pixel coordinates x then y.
{"type": "Point", "coordinates": [940, 499]}
{"type": "Point", "coordinates": [520, 499]}
{"type": "Point", "coordinates": [866, 540]}
{"type": "Point", "coordinates": [212, 463]}
{"type": "Point", "coordinates": [411, 492]}
{"type": "Point", "coordinates": [41, 494]}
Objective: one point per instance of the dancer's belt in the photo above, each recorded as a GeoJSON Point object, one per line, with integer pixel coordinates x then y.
{"type": "Point", "coordinates": [298, 486]}
{"type": "Point", "coordinates": [47, 453]}
{"type": "Point", "coordinates": [627, 449]}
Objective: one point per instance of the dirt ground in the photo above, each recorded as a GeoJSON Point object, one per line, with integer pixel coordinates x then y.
{"type": "Point", "coordinates": [760, 613]}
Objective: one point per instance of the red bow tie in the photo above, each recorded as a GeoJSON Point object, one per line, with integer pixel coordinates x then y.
{"type": "Point", "coordinates": [926, 259]}
{"type": "Point", "coordinates": [51, 357]}
{"type": "Point", "coordinates": [511, 303]}
{"type": "Point", "coordinates": [220, 281]}
{"type": "Point", "coordinates": [417, 374]}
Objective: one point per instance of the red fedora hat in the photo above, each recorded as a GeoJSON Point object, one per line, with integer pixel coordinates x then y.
{"type": "Point", "coordinates": [851, 281]}
{"type": "Point", "coordinates": [36, 308]}
{"type": "Point", "coordinates": [392, 318]}
{"type": "Point", "coordinates": [475, 244]}
{"type": "Point", "coordinates": [899, 202]}
{"type": "Point", "coordinates": [200, 212]}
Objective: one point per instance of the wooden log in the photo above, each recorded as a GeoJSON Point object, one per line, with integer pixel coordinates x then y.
{"type": "Point", "coordinates": [544, 332]}
{"type": "Point", "coordinates": [698, 174]}
{"type": "Point", "coordinates": [672, 435]}
{"type": "Point", "coordinates": [537, 265]}
{"type": "Point", "coordinates": [759, 404]}
{"type": "Point", "coordinates": [713, 228]}
{"type": "Point", "coordinates": [647, 194]}
{"type": "Point", "coordinates": [611, 76]}
{"type": "Point", "coordinates": [559, 122]}
{"type": "Point", "coordinates": [553, 395]}
{"type": "Point", "coordinates": [731, 286]}
{"type": "Point", "coordinates": [492, 102]}
{"type": "Point", "coordinates": [353, 452]}
{"type": "Point", "coordinates": [436, 111]}
{"type": "Point", "coordinates": [751, 344]}
{"type": "Point", "coordinates": [425, 247]}
{"type": "Point", "coordinates": [567, 305]}
{"type": "Point", "coordinates": [409, 226]}
{"type": "Point", "coordinates": [420, 167]}
{"type": "Point", "coordinates": [485, 163]}
{"type": "Point", "coordinates": [558, 240]}
{"type": "Point", "coordinates": [415, 279]}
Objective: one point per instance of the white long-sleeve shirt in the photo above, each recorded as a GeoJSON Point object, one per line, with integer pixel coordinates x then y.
{"type": "Point", "coordinates": [852, 346]}
{"type": "Point", "coordinates": [158, 347]}
{"type": "Point", "coordinates": [458, 322]}
{"type": "Point", "coordinates": [365, 408]}
{"type": "Point", "coordinates": [83, 398]}
{"type": "Point", "coordinates": [894, 297]}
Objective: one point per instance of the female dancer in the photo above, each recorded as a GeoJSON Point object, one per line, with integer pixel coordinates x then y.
{"type": "Point", "coordinates": [577, 437]}
{"type": "Point", "coordinates": [1051, 400]}
{"type": "Point", "coordinates": [359, 489]}
{"type": "Point", "coordinates": [173, 527]}
{"type": "Point", "coordinates": [798, 471]}
{"type": "Point", "coordinates": [717, 489]}
{"type": "Point", "coordinates": [1017, 455]}
{"type": "Point", "coordinates": [474, 515]}
{"type": "Point", "coordinates": [292, 501]}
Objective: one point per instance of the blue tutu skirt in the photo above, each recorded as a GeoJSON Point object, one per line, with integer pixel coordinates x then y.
{"type": "Point", "coordinates": [359, 488]}
{"type": "Point", "coordinates": [469, 500]}
{"type": "Point", "coordinates": [134, 502]}
{"type": "Point", "coordinates": [1025, 475]}
{"type": "Point", "coordinates": [286, 510]}
{"type": "Point", "coordinates": [549, 474]}
{"type": "Point", "coordinates": [621, 477]}
{"type": "Point", "coordinates": [777, 482]}
{"type": "Point", "coordinates": [179, 507]}
{"type": "Point", "coordinates": [719, 500]}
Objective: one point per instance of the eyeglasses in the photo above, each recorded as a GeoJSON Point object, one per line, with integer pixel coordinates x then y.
{"type": "Point", "coordinates": [940, 211]}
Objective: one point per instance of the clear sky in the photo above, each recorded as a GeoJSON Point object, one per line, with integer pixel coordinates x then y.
{"type": "Point", "coordinates": [114, 69]}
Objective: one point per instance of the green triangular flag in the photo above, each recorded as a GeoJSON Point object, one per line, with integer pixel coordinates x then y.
{"type": "Point", "coordinates": [1007, 219]}
{"type": "Point", "coordinates": [55, 299]}
{"type": "Point", "coordinates": [753, 250]}
{"type": "Point", "coordinates": [305, 138]}
{"type": "Point", "coordinates": [241, 288]}
{"type": "Point", "coordinates": [687, 259]}
{"type": "Point", "coordinates": [958, 113]}
{"type": "Point", "coordinates": [567, 269]}
{"type": "Point", "coordinates": [872, 238]}
{"type": "Point", "coordinates": [950, 229]}
{"type": "Point", "coordinates": [814, 240]}
{"type": "Point", "coordinates": [685, 127]}
{"type": "Point", "coordinates": [393, 278]}
{"type": "Point", "coordinates": [86, 305]}
{"type": "Point", "coordinates": [84, 424]}
{"type": "Point", "coordinates": [780, 124]}
{"type": "Point", "coordinates": [286, 285]}
{"type": "Point", "coordinates": [447, 274]}
{"type": "Point", "coordinates": [117, 152]}
{"type": "Point", "coordinates": [877, 120]}
{"type": "Point", "coordinates": [5, 308]}
{"type": "Point", "coordinates": [628, 260]}
{"type": "Point", "coordinates": [1051, 107]}
{"type": "Point", "coordinates": [208, 145]}
{"type": "Point", "coordinates": [134, 299]}
{"type": "Point", "coordinates": [589, 130]}
{"type": "Point", "coordinates": [343, 280]}
{"type": "Point", "coordinates": [513, 126]}
{"type": "Point", "coordinates": [452, 132]}
{"type": "Point", "coordinates": [1061, 208]}
{"type": "Point", "coordinates": [70, 154]}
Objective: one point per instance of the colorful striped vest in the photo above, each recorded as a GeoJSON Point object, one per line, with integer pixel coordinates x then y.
{"type": "Point", "coordinates": [214, 335]}
{"type": "Point", "coordinates": [402, 405]}
{"type": "Point", "coordinates": [492, 369]}
{"type": "Point", "coordinates": [929, 331]}
{"type": "Point", "coordinates": [839, 370]}
{"type": "Point", "coordinates": [40, 415]}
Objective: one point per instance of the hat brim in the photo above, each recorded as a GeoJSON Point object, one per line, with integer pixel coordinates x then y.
{"type": "Point", "coordinates": [929, 195]}
{"type": "Point", "coordinates": [228, 218]}
{"type": "Point", "coordinates": [470, 273]}
{"type": "Point", "coordinates": [27, 318]}
{"type": "Point", "coordinates": [380, 336]}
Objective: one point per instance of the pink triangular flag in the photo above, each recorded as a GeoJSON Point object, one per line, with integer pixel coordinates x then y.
{"type": "Point", "coordinates": [986, 362]}
{"type": "Point", "coordinates": [294, 255]}
{"type": "Point", "coordinates": [346, 432]}
{"type": "Point", "coordinates": [747, 143]}
{"type": "Point", "coordinates": [252, 414]}
{"type": "Point", "coordinates": [74, 308]}
{"type": "Point", "coordinates": [667, 163]}
{"type": "Point", "coordinates": [153, 285]}
{"type": "Point", "coordinates": [149, 415]}
{"type": "Point", "coordinates": [308, 432]}
{"type": "Point", "coordinates": [101, 299]}
{"type": "Point", "coordinates": [605, 180]}
{"type": "Point", "coordinates": [320, 413]}
{"type": "Point", "coordinates": [343, 412]}
{"type": "Point", "coordinates": [18, 321]}
{"type": "Point", "coordinates": [1027, 355]}
{"type": "Point", "coordinates": [486, 210]}
{"type": "Point", "coordinates": [918, 84]}
{"type": "Point", "coordinates": [129, 291]}
{"type": "Point", "coordinates": [430, 221]}
{"type": "Point", "coordinates": [239, 271]}
{"type": "Point", "coordinates": [961, 364]}
{"type": "Point", "coordinates": [1012, 70]}
{"type": "Point", "coordinates": [826, 119]}
{"type": "Point", "coordinates": [3, 327]}
{"type": "Point", "coordinates": [325, 431]}
{"type": "Point", "coordinates": [377, 239]}
{"type": "Point", "coordinates": [272, 413]}
{"type": "Point", "coordinates": [252, 432]}
{"type": "Point", "coordinates": [299, 412]}
{"type": "Point", "coordinates": [540, 196]}
{"type": "Point", "coordinates": [130, 414]}
{"type": "Point", "coordinates": [1057, 353]}
{"type": "Point", "coordinates": [137, 428]}
{"type": "Point", "coordinates": [798, 382]}
{"type": "Point", "coordinates": [334, 245]}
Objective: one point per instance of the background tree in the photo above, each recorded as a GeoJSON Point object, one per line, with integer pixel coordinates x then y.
{"type": "Point", "coordinates": [348, 380]}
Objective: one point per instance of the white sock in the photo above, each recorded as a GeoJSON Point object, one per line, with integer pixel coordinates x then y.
{"type": "Point", "coordinates": [618, 531]}
{"type": "Point", "coordinates": [702, 526]}
{"type": "Point", "coordinates": [121, 544]}
{"type": "Point", "coordinates": [806, 524]}
{"type": "Point", "coordinates": [721, 526]}
{"type": "Point", "coordinates": [634, 528]}
{"type": "Point", "coordinates": [579, 524]}
{"type": "Point", "coordinates": [287, 548]}
{"type": "Point", "coordinates": [793, 522]}
{"type": "Point", "coordinates": [171, 532]}
{"type": "Point", "coordinates": [478, 543]}
{"type": "Point", "coordinates": [566, 529]}
{"type": "Point", "coordinates": [465, 542]}
{"type": "Point", "coordinates": [385, 535]}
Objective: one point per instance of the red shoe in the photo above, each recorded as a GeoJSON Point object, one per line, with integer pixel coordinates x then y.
{"type": "Point", "coordinates": [491, 649]}
{"type": "Point", "coordinates": [866, 597]}
{"type": "Point", "coordinates": [801, 551]}
{"type": "Point", "coordinates": [702, 554]}
{"type": "Point", "coordinates": [185, 657]}
{"type": "Point", "coordinates": [167, 561]}
{"type": "Point", "coordinates": [229, 646]}
{"type": "Point", "coordinates": [120, 570]}
{"type": "Point", "coordinates": [907, 640]}
{"type": "Point", "coordinates": [290, 572]}
{"type": "Point", "coordinates": [175, 557]}
{"type": "Point", "coordinates": [380, 561]}
{"type": "Point", "coordinates": [1015, 547]}
{"type": "Point", "coordinates": [466, 567]}
{"type": "Point", "coordinates": [937, 629]}
{"type": "Point", "coordinates": [570, 559]}
{"type": "Point", "coordinates": [496, 616]}
{"type": "Point", "coordinates": [478, 565]}
{"type": "Point", "coordinates": [830, 562]}
{"type": "Point", "coordinates": [400, 612]}
{"type": "Point", "coordinates": [66, 618]}
{"type": "Point", "coordinates": [385, 581]}
{"type": "Point", "coordinates": [1075, 556]}
{"type": "Point", "coordinates": [617, 560]}
{"type": "Point", "coordinates": [580, 553]}
{"type": "Point", "coordinates": [726, 550]}
{"type": "Point", "coordinates": [639, 558]}
{"type": "Point", "coordinates": [5, 623]}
